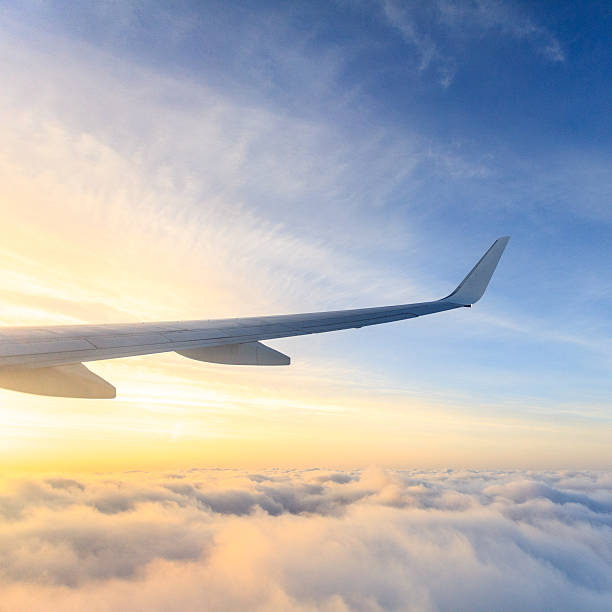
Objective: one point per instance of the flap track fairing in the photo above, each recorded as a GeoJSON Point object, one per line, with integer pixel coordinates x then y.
{"type": "Point", "coordinates": [245, 353]}
{"type": "Point", "coordinates": [70, 380]}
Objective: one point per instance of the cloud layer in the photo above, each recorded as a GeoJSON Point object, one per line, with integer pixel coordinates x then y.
{"type": "Point", "coordinates": [308, 540]}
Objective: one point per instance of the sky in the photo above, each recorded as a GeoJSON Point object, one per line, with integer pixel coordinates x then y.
{"type": "Point", "coordinates": [214, 159]}
{"type": "Point", "coordinates": [191, 160]}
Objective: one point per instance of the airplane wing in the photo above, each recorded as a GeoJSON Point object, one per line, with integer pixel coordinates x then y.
{"type": "Point", "coordinates": [49, 360]}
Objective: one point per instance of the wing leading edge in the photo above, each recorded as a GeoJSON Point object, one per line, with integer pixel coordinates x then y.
{"type": "Point", "coordinates": [31, 358]}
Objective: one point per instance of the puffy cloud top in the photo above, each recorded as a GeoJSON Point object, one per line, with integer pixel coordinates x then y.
{"type": "Point", "coordinates": [308, 540]}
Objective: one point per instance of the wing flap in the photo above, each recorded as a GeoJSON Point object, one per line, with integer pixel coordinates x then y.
{"type": "Point", "coordinates": [70, 380]}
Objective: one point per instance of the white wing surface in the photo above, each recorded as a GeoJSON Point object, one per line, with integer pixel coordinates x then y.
{"type": "Point", "coordinates": [48, 360]}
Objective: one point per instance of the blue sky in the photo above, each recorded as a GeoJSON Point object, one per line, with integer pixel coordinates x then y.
{"type": "Point", "coordinates": [373, 150]}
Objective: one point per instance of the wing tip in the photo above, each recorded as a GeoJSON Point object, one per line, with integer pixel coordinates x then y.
{"type": "Point", "coordinates": [473, 286]}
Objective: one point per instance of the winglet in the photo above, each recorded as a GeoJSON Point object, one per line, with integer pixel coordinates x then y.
{"type": "Point", "coordinates": [473, 286]}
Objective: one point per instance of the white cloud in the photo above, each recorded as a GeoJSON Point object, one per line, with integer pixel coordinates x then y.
{"type": "Point", "coordinates": [309, 540]}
